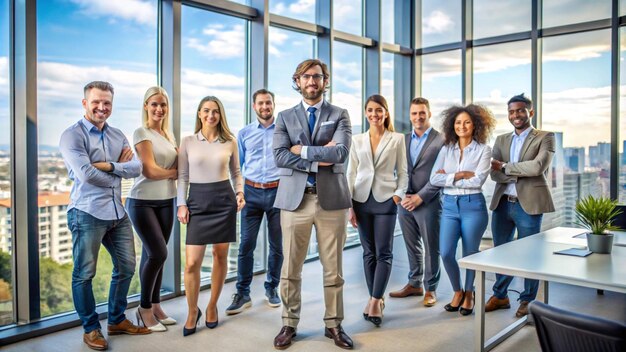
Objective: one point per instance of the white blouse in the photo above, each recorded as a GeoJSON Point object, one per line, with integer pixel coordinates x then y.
{"type": "Point", "coordinates": [476, 158]}
{"type": "Point", "coordinates": [201, 161]}
{"type": "Point", "coordinates": [164, 152]}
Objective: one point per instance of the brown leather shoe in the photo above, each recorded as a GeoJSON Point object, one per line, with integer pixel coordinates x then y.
{"type": "Point", "coordinates": [284, 337]}
{"type": "Point", "coordinates": [127, 327]}
{"type": "Point", "coordinates": [95, 340]}
{"type": "Point", "coordinates": [340, 337]}
{"type": "Point", "coordinates": [430, 298]}
{"type": "Point", "coordinates": [407, 291]}
{"type": "Point", "coordinates": [523, 309]}
{"type": "Point", "coordinates": [495, 303]}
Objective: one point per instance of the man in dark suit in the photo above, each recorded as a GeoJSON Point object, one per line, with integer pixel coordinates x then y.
{"type": "Point", "coordinates": [420, 209]}
{"type": "Point", "coordinates": [311, 143]}
{"type": "Point", "coordinates": [522, 195]}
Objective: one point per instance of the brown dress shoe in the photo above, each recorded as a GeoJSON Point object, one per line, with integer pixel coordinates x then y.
{"type": "Point", "coordinates": [430, 298]}
{"type": "Point", "coordinates": [407, 291]}
{"type": "Point", "coordinates": [95, 340]}
{"type": "Point", "coordinates": [284, 337]}
{"type": "Point", "coordinates": [340, 337]}
{"type": "Point", "coordinates": [523, 309]}
{"type": "Point", "coordinates": [495, 303]}
{"type": "Point", "coordinates": [127, 327]}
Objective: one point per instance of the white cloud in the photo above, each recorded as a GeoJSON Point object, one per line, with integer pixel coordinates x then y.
{"type": "Point", "coordinates": [276, 38]}
{"type": "Point", "coordinates": [222, 43]}
{"type": "Point", "coordinates": [437, 22]}
{"type": "Point", "coordinates": [4, 75]}
{"type": "Point", "coordinates": [577, 53]}
{"type": "Point", "coordinates": [352, 103]}
{"type": "Point", "coordinates": [279, 9]}
{"type": "Point", "coordinates": [302, 6]}
{"type": "Point", "coordinates": [142, 12]}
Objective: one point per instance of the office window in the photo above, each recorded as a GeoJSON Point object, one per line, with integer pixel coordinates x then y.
{"type": "Point", "coordinates": [622, 7]}
{"type": "Point", "coordinates": [441, 22]}
{"type": "Point", "coordinates": [347, 82]}
{"type": "Point", "coordinates": [73, 51]}
{"type": "Point", "coordinates": [622, 122]}
{"type": "Point", "coordinates": [387, 89]}
{"type": "Point", "coordinates": [213, 62]}
{"type": "Point", "coordinates": [494, 65]}
{"type": "Point", "coordinates": [387, 9]}
{"type": "Point", "coordinates": [441, 82]}
{"type": "Point", "coordinates": [500, 17]}
{"type": "Point", "coordinates": [6, 258]}
{"type": "Point", "coordinates": [348, 16]}
{"type": "Point", "coordinates": [576, 105]}
{"type": "Point", "coordinates": [286, 50]}
{"type": "Point", "coordinates": [303, 10]}
{"type": "Point", "coordinates": [563, 12]}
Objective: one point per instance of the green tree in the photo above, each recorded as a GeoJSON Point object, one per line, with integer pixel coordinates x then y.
{"type": "Point", "coordinates": [55, 286]}
{"type": "Point", "coordinates": [5, 266]}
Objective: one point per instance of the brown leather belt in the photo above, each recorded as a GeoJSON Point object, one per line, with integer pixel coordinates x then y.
{"type": "Point", "coordinates": [511, 199]}
{"type": "Point", "coordinates": [310, 190]}
{"type": "Point", "coordinates": [260, 185]}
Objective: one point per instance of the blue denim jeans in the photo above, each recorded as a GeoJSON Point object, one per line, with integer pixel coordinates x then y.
{"type": "Point", "coordinates": [504, 220]}
{"type": "Point", "coordinates": [117, 237]}
{"type": "Point", "coordinates": [259, 202]}
{"type": "Point", "coordinates": [463, 217]}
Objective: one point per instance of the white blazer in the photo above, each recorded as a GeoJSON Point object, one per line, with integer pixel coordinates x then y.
{"type": "Point", "coordinates": [384, 174]}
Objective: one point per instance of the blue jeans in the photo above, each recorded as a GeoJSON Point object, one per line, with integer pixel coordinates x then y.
{"type": "Point", "coordinates": [464, 217]}
{"type": "Point", "coordinates": [259, 202]}
{"type": "Point", "coordinates": [117, 237]}
{"type": "Point", "coordinates": [505, 218]}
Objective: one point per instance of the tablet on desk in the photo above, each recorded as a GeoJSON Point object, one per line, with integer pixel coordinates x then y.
{"type": "Point", "coordinates": [576, 252]}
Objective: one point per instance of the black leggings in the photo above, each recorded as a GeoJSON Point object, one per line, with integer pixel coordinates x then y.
{"type": "Point", "coordinates": [153, 221]}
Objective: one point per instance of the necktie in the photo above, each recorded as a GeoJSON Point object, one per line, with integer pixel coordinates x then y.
{"type": "Point", "coordinates": [311, 111]}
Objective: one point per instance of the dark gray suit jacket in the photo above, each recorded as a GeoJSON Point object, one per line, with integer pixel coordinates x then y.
{"type": "Point", "coordinates": [292, 128]}
{"type": "Point", "coordinates": [419, 174]}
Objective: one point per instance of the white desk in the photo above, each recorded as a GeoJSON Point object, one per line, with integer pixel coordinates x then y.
{"type": "Point", "coordinates": [533, 257]}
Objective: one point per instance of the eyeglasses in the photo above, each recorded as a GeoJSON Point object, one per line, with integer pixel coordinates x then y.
{"type": "Point", "coordinates": [316, 77]}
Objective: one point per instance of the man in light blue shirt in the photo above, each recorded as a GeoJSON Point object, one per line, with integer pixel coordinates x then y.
{"type": "Point", "coordinates": [97, 157]}
{"type": "Point", "coordinates": [261, 182]}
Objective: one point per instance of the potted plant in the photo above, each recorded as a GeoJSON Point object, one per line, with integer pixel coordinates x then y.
{"type": "Point", "coordinates": [597, 215]}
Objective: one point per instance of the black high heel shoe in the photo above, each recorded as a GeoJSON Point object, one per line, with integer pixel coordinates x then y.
{"type": "Point", "coordinates": [465, 311]}
{"type": "Point", "coordinates": [450, 308]}
{"type": "Point", "coordinates": [378, 320]}
{"type": "Point", "coordinates": [187, 332]}
{"type": "Point", "coordinates": [212, 324]}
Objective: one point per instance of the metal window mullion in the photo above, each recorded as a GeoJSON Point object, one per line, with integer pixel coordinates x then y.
{"type": "Point", "coordinates": [467, 52]}
{"type": "Point", "coordinates": [169, 77]}
{"type": "Point", "coordinates": [373, 55]}
{"type": "Point", "coordinates": [324, 18]}
{"type": "Point", "coordinates": [536, 61]}
{"type": "Point", "coordinates": [23, 110]}
{"type": "Point", "coordinates": [615, 108]}
{"type": "Point", "coordinates": [416, 41]}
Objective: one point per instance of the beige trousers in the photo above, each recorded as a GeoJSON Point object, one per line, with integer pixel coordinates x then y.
{"type": "Point", "coordinates": [330, 229]}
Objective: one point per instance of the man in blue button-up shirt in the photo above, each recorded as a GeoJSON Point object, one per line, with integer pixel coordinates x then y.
{"type": "Point", "coordinates": [259, 169]}
{"type": "Point", "coordinates": [97, 157]}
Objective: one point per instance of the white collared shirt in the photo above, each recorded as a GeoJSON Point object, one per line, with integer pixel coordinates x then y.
{"type": "Point", "coordinates": [516, 148]}
{"type": "Point", "coordinates": [476, 158]}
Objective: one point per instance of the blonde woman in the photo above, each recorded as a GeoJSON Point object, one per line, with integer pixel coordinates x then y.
{"type": "Point", "coordinates": [206, 161]}
{"type": "Point", "coordinates": [377, 178]}
{"type": "Point", "coordinates": [150, 203]}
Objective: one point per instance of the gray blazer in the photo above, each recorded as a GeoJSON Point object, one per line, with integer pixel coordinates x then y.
{"type": "Point", "coordinates": [292, 128]}
{"type": "Point", "coordinates": [528, 174]}
{"type": "Point", "coordinates": [419, 174]}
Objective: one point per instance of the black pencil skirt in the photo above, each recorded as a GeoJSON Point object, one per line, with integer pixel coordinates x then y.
{"type": "Point", "coordinates": [212, 213]}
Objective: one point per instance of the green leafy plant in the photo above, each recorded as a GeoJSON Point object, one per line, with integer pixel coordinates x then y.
{"type": "Point", "coordinates": [597, 214]}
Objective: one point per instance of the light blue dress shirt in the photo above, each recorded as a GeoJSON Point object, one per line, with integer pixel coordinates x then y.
{"type": "Point", "coordinates": [256, 156]}
{"type": "Point", "coordinates": [516, 148]}
{"type": "Point", "coordinates": [96, 192]}
{"type": "Point", "coordinates": [417, 143]}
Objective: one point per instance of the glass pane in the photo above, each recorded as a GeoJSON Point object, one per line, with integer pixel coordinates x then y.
{"type": "Point", "coordinates": [213, 63]}
{"type": "Point", "coordinates": [489, 21]}
{"type": "Point", "coordinates": [441, 22]}
{"type": "Point", "coordinates": [388, 90]}
{"type": "Point", "coordinates": [347, 82]}
{"type": "Point", "coordinates": [576, 105]}
{"type": "Point", "coordinates": [441, 82]}
{"type": "Point", "coordinates": [122, 53]}
{"type": "Point", "coordinates": [286, 50]}
{"type": "Point", "coordinates": [388, 21]}
{"type": "Point", "coordinates": [622, 7]}
{"type": "Point", "coordinates": [622, 114]}
{"type": "Point", "coordinates": [6, 260]}
{"type": "Point", "coordinates": [562, 12]}
{"type": "Point", "coordinates": [492, 65]}
{"type": "Point", "coordinates": [303, 10]}
{"type": "Point", "coordinates": [348, 16]}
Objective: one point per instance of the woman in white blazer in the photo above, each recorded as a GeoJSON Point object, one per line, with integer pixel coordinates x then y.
{"type": "Point", "coordinates": [377, 179]}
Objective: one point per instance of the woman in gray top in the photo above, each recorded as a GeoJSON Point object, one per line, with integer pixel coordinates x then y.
{"type": "Point", "coordinates": [150, 203]}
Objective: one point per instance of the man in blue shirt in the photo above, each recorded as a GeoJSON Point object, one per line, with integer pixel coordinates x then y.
{"type": "Point", "coordinates": [259, 170]}
{"type": "Point", "coordinates": [97, 157]}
